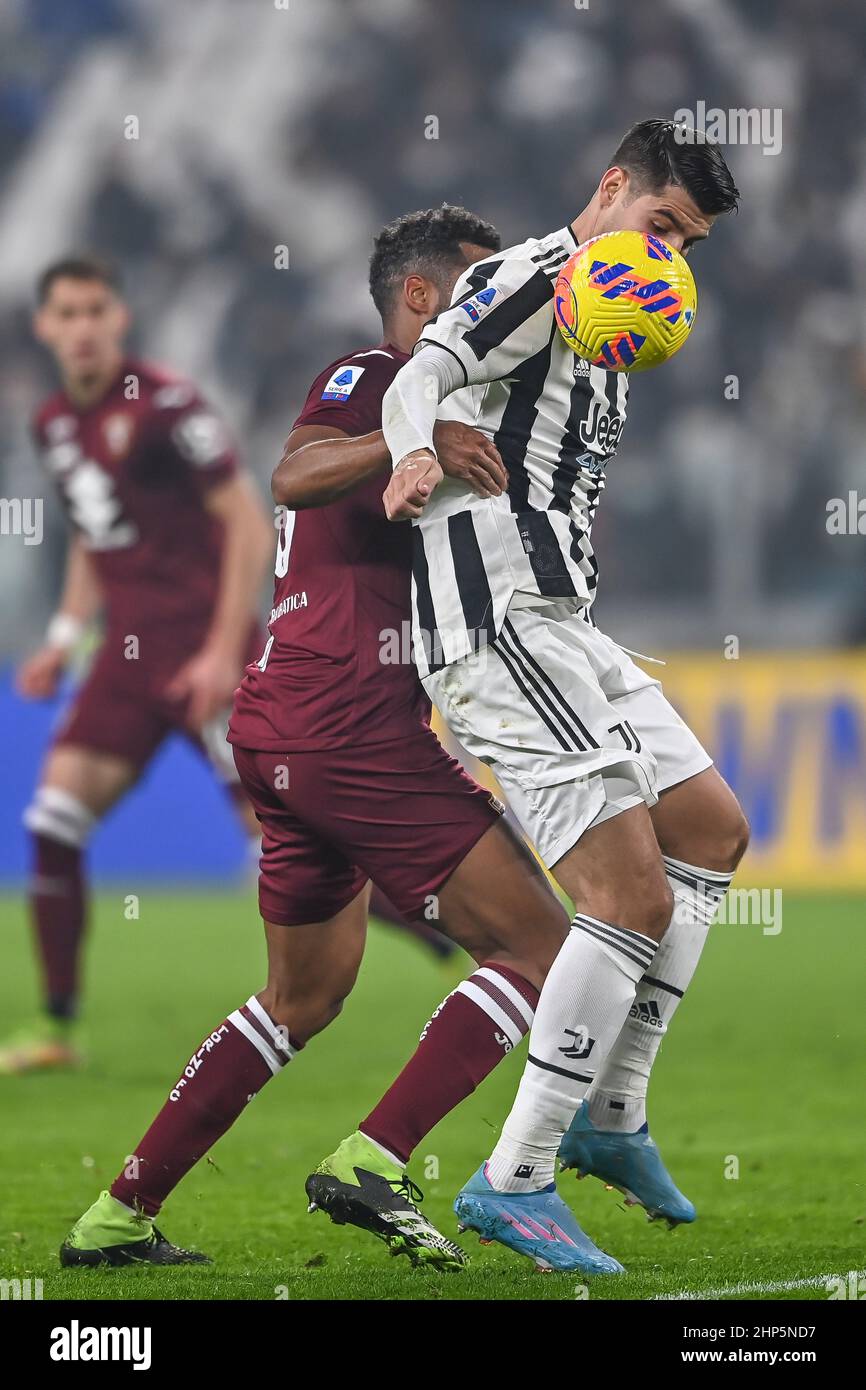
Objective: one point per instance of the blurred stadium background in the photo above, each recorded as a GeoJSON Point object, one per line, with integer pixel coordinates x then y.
{"type": "Point", "coordinates": [305, 125]}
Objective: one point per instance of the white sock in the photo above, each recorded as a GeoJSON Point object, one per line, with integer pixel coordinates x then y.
{"type": "Point", "coordinates": [584, 1002]}
{"type": "Point", "coordinates": [617, 1098]}
{"type": "Point", "coordinates": [386, 1153]}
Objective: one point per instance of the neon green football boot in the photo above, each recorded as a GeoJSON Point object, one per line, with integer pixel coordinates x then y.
{"type": "Point", "coordinates": [47, 1044]}
{"type": "Point", "coordinates": [110, 1233]}
{"type": "Point", "coordinates": [359, 1186]}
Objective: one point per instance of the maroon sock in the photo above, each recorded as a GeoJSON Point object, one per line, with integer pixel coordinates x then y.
{"type": "Point", "coordinates": [231, 1066]}
{"type": "Point", "coordinates": [470, 1032]}
{"type": "Point", "coordinates": [58, 904]}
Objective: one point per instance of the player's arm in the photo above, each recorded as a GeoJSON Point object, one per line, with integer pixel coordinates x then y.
{"type": "Point", "coordinates": [38, 675]}
{"type": "Point", "coordinates": [321, 464]}
{"type": "Point", "coordinates": [209, 679]}
{"type": "Point", "coordinates": [480, 339]}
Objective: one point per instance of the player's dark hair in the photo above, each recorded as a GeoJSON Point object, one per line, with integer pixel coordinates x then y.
{"type": "Point", "coordinates": [77, 268]}
{"type": "Point", "coordinates": [656, 153]}
{"type": "Point", "coordinates": [424, 243]}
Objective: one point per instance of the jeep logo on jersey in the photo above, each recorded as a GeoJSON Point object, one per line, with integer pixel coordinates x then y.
{"type": "Point", "coordinates": [580, 1046]}
{"type": "Point", "coordinates": [342, 383]}
{"type": "Point", "coordinates": [475, 306]}
{"type": "Point", "coordinates": [601, 430]}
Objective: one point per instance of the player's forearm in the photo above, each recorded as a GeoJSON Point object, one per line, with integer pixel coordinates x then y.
{"type": "Point", "coordinates": [246, 551]}
{"type": "Point", "coordinates": [411, 401]}
{"type": "Point", "coordinates": [82, 594]}
{"type": "Point", "coordinates": [326, 469]}
{"type": "Point", "coordinates": [80, 600]}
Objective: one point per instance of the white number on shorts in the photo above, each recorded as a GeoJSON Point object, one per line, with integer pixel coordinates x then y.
{"type": "Point", "coordinates": [262, 662]}
{"type": "Point", "coordinates": [284, 541]}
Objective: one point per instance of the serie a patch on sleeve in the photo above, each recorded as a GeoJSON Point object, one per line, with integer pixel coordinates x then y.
{"type": "Point", "coordinates": [342, 383]}
{"type": "Point", "coordinates": [475, 306]}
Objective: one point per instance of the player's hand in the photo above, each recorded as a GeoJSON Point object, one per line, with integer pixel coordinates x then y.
{"type": "Point", "coordinates": [207, 683]}
{"type": "Point", "coordinates": [38, 677]}
{"type": "Point", "coordinates": [411, 485]}
{"type": "Point", "coordinates": [467, 454]}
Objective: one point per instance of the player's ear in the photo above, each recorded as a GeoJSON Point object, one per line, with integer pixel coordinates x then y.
{"type": "Point", "coordinates": [420, 295]}
{"type": "Point", "coordinates": [613, 181]}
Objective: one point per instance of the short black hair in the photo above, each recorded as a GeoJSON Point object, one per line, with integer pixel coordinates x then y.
{"type": "Point", "coordinates": [82, 267]}
{"type": "Point", "coordinates": [424, 243]}
{"type": "Point", "coordinates": [655, 153]}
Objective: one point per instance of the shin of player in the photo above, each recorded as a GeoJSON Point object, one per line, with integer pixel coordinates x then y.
{"type": "Point", "coordinates": [697, 822]}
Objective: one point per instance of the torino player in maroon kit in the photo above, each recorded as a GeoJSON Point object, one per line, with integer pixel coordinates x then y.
{"type": "Point", "coordinates": [168, 539]}
{"type": "Point", "coordinates": [334, 747]}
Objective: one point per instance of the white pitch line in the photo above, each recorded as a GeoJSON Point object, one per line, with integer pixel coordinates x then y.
{"type": "Point", "coordinates": [815, 1281]}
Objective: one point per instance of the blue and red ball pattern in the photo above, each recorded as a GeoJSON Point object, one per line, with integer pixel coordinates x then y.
{"type": "Point", "coordinates": [625, 301]}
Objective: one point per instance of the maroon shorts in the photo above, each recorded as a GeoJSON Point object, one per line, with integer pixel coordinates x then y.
{"type": "Point", "coordinates": [122, 707]}
{"type": "Point", "coordinates": [403, 813]}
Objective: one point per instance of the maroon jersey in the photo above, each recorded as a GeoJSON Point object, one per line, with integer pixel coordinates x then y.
{"type": "Point", "coordinates": [132, 471]}
{"type": "Point", "coordinates": [336, 668]}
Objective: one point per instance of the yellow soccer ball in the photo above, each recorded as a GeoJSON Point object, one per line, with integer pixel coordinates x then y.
{"type": "Point", "coordinates": [625, 301]}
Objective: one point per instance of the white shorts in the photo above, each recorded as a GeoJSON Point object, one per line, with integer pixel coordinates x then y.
{"type": "Point", "coordinates": [573, 729]}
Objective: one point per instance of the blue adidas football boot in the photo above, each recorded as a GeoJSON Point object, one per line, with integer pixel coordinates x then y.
{"type": "Point", "coordinates": [537, 1224]}
{"type": "Point", "coordinates": [629, 1162]}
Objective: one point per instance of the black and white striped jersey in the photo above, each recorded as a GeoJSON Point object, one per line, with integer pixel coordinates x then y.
{"type": "Point", "coordinates": [556, 421]}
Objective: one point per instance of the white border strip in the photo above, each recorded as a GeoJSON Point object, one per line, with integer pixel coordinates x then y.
{"type": "Point", "coordinates": [238, 1021]}
{"type": "Point", "coordinates": [814, 1281]}
{"type": "Point", "coordinates": [523, 1007]}
{"type": "Point", "coordinates": [491, 1009]}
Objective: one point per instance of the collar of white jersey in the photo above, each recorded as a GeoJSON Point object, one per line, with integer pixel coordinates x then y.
{"type": "Point", "coordinates": [567, 237]}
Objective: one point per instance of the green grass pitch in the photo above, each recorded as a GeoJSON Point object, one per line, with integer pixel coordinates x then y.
{"type": "Point", "coordinates": [763, 1070]}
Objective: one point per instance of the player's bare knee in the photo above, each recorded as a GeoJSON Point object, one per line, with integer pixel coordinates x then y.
{"type": "Point", "coordinates": [726, 843]}
{"type": "Point", "coordinates": [658, 911]}
{"type": "Point", "coordinates": [641, 902]}
{"type": "Point", "coordinates": [648, 908]}
{"type": "Point", "coordinates": [736, 839]}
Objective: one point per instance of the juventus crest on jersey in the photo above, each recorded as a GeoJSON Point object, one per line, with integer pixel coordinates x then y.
{"type": "Point", "coordinates": [556, 421]}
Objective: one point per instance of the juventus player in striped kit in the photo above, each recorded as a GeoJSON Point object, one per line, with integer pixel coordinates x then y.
{"type": "Point", "coordinates": [618, 796]}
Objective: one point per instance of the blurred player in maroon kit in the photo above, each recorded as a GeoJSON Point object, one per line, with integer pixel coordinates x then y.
{"type": "Point", "coordinates": [168, 539]}
{"type": "Point", "coordinates": [350, 784]}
